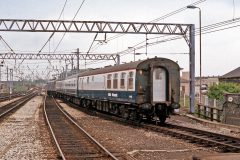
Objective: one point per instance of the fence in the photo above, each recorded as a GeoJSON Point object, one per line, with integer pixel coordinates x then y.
{"type": "Point", "coordinates": [208, 112]}
{"type": "Point", "coordinates": [210, 109]}
{"type": "Point", "coordinates": [226, 111]}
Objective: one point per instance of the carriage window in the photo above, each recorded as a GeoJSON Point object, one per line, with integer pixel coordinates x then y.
{"type": "Point", "coordinates": [92, 78]}
{"type": "Point", "coordinates": [130, 80]}
{"type": "Point", "coordinates": [109, 78]}
{"type": "Point", "coordinates": [122, 81]}
{"type": "Point", "coordinates": [115, 81]}
{"type": "Point", "coordinates": [87, 79]}
{"type": "Point", "coordinates": [80, 80]}
{"type": "Point", "coordinates": [158, 74]}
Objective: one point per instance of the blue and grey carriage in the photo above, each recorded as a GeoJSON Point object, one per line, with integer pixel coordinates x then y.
{"type": "Point", "coordinates": [142, 89]}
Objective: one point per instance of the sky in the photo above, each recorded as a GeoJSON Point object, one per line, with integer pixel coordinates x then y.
{"type": "Point", "coordinates": [220, 50]}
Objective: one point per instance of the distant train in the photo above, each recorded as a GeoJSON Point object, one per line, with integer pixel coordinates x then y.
{"type": "Point", "coordinates": [142, 89]}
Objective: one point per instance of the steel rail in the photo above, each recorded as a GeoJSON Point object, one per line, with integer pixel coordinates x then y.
{"type": "Point", "coordinates": [106, 152]}
{"type": "Point", "coordinates": [4, 110]}
{"type": "Point", "coordinates": [50, 127]}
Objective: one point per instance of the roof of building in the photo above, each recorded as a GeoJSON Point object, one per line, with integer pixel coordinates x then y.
{"type": "Point", "coordinates": [206, 77]}
{"type": "Point", "coordinates": [232, 74]}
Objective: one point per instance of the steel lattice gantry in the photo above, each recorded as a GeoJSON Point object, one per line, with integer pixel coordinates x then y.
{"type": "Point", "coordinates": [186, 30]}
{"type": "Point", "coordinates": [41, 56]}
{"type": "Point", "coordinates": [92, 26]}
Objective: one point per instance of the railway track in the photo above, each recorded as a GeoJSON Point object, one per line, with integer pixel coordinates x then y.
{"type": "Point", "coordinates": [72, 141]}
{"type": "Point", "coordinates": [208, 139]}
{"type": "Point", "coordinates": [221, 142]}
{"type": "Point", "coordinates": [7, 97]}
{"type": "Point", "coordinates": [13, 106]}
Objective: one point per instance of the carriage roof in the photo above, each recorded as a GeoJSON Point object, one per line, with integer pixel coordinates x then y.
{"type": "Point", "coordinates": [117, 68]}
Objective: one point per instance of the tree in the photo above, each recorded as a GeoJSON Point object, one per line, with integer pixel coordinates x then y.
{"type": "Point", "coordinates": [217, 91]}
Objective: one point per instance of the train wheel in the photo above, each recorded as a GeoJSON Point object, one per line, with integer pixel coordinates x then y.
{"type": "Point", "coordinates": [149, 118]}
{"type": "Point", "coordinates": [84, 104]}
{"type": "Point", "coordinates": [116, 109]}
{"type": "Point", "coordinates": [126, 114]}
{"type": "Point", "coordinates": [161, 112]}
{"type": "Point", "coordinates": [139, 117]}
{"type": "Point", "coordinates": [135, 116]}
{"type": "Point", "coordinates": [162, 118]}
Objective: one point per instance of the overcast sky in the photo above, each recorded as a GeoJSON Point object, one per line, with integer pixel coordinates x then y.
{"type": "Point", "coordinates": [220, 50]}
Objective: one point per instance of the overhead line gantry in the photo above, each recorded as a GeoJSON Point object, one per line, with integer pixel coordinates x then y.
{"type": "Point", "coordinates": [92, 26]}
{"type": "Point", "coordinates": [45, 56]}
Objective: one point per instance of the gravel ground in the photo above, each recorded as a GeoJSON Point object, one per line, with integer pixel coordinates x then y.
{"type": "Point", "coordinates": [136, 142]}
{"type": "Point", "coordinates": [24, 134]}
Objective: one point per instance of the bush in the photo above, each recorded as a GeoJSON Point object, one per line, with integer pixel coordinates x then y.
{"type": "Point", "coordinates": [217, 91]}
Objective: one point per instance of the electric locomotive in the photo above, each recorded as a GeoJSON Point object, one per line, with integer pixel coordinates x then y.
{"type": "Point", "coordinates": [142, 89]}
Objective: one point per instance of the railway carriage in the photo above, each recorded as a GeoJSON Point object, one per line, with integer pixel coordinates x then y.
{"type": "Point", "coordinates": [51, 87]}
{"type": "Point", "coordinates": [70, 86]}
{"type": "Point", "coordinates": [135, 90]}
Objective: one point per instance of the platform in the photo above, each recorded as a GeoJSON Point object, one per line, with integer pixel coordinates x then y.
{"type": "Point", "coordinates": [223, 127]}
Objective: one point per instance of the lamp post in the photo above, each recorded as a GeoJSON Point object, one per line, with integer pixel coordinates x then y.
{"type": "Point", "coordinates": [1, 65]}
{"type": "Point", "coordinates": [200, 49]}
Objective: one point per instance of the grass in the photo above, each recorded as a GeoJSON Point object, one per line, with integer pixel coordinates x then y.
{"type": "Point", "coordinates": [186, 107]}
{"type": "Point", "coordinates": [19, 88]}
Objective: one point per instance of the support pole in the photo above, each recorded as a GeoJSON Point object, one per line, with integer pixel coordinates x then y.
{"type": "Point", "coordinates": [78, 59]}
{"type": "Point", "coordinates": [192, 69]}
{"type": "Point", "coordinates": [65, 90]}
{"type": "Point", "coordinates": [72, 63]}
{"type": "Point", "coordinates": [118, 59]}
{"type": "Point", "coordinates": [0, 74]}
{"type": "Point", "coordinates": [66, 70]}
{"type": "Point", "coordinates": [7, 79]}
{"type": "Point", "coordinates": [1, 78]}
{"type": "Point", "coordinates": [11, 84]}
{"type": "Point", "coordinates": [7, 74]}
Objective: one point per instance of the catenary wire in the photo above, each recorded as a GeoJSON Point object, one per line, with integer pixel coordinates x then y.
{"type": "Point", "coordinates": [69, 26]}
{"type": "Point", "coordinates": [55, 26]}
{"type": "Point", "coordinates": [206, 30]}
{"type": "Point", "coordinates": [153, 21]}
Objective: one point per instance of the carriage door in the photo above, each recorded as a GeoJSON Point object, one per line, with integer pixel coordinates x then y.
{"type": "Point", "coordinates": [159, 85]}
